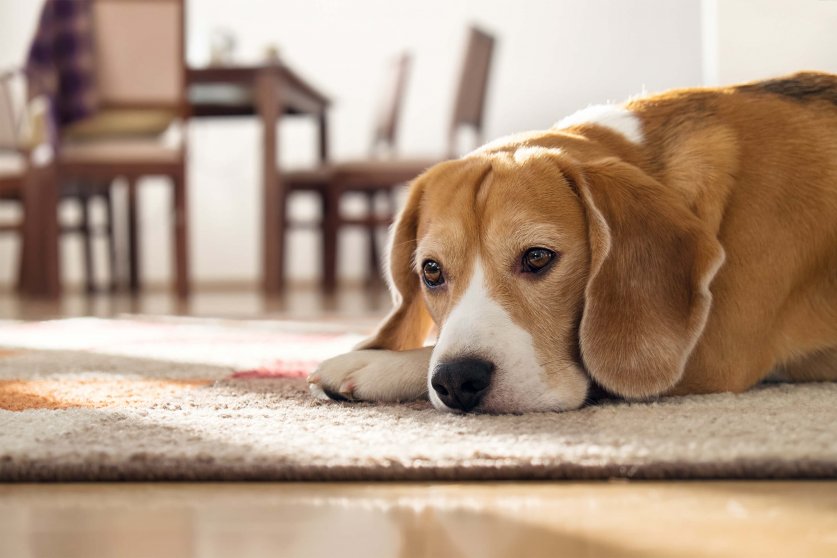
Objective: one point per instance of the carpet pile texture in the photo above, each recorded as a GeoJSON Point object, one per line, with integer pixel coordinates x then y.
{"type": "Point", "coordinates": [164, 399]}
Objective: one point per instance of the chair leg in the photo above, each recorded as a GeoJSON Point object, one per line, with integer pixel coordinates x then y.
{"type": "Point", "coordinates": [373, 273]}
{"type": "Point", "coordinates": [281, 246]}
{"type": "Point", "coordinates": [181, 236]}
{"type": "Point", "coordinates": [87, 241]}
{"type": "Point", "coordinates": [331, 216]}
{"type": "Point", "coordinates": [110, 219]}
{"type": "Point", "coordinates": [133, 238]}
{"type": "Point", "coordinates": [281, 282]}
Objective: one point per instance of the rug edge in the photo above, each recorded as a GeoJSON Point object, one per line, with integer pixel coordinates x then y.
{"type": "Point", "coordinates": [42, 471]}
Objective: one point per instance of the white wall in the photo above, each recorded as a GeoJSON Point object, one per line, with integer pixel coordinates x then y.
{"type": "Point", "coordinates": [553, 57]}
{"type": "Point", "coordinates": [754, 39]}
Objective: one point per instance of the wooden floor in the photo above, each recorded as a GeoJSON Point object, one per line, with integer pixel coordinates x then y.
{"type": "Point", "coordinates": [641, 519]}
{"type": "Point", "coordinates": [300, 303]}
{"type": "Point", "coordinates": [737, 519]}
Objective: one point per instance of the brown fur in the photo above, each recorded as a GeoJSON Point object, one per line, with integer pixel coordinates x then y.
{"type": "Point", "coordinates": [744, 175]}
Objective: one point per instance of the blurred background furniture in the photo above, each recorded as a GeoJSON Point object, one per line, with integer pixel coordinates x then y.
{"type": "Point", "coordinates": [134, 130]}
{"type": "Point", "coordinates": [270, 92]}
{"type": "Point", "coordinates": [143, 92]}
{"type": "Point", "coordinates": [17, 181]}
{"type": "Point", "coordinates": [130, 130]}
{"type": "Point", "coordinates": [384, 170]}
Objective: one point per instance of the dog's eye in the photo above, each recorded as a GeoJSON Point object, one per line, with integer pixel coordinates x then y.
{"type": "Point", "coordinates": [432, 273]}
{"type": "Point", "coordinates": [536, 260]}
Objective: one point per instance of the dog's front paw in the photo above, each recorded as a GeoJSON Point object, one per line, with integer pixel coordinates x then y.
{"type": "Point", "coordinates": [372, 375]}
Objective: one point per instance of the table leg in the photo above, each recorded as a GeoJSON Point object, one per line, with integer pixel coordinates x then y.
{"type": "Point", "coordinates": [41, 265]}
{"type": "Point", "coordinates": [268, 94]}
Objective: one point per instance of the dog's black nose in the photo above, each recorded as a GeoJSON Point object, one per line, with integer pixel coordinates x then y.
{"type": "Point", "coordinates": [461, 383]}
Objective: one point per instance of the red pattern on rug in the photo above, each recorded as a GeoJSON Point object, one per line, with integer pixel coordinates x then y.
{"type": "Point", "coordinates": [279, 369]}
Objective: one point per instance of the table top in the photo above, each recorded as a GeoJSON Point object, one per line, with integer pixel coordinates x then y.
{"type": "Point", "coordinates": [230, 90]}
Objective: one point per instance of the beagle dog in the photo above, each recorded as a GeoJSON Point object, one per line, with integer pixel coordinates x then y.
{"type": "Point", "coordinates": [680, 243]}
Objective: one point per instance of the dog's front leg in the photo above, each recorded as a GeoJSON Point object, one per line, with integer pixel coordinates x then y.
{"type": "Point", "coordinates": [373, 375]}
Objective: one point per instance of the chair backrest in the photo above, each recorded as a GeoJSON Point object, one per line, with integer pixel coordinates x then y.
{"type": "Point", "coordinates": [469, 106]}
{"type": "Point", "coordinates": [389, 110]}
{"type": "Point", "coordinates": [10, 113]}
{"type": "Point", "coordinates": [140, 58]}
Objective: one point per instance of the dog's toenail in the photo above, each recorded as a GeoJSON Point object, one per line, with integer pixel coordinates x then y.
{"type": "Point", "coordinates": [347, 387]}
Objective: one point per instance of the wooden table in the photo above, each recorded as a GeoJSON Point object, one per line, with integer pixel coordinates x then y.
{"type": "Point", "coordinates": [268, 92]}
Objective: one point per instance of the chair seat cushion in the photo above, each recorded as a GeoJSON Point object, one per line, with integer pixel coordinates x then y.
{"type": "Point", "coordinates": [120, 123]}
{"type": "Point", "coordinates": [12, 166]}
{"type": "Point", "coordinates": [120, 151]}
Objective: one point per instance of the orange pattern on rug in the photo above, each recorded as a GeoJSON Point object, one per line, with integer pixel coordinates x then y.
{"type": "Point", "coordinates": [88, 393]}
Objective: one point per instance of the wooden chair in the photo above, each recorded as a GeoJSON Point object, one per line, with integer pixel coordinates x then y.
{"type": "Point", "coordinates": [384, 174]}
{"type": "Point", "coordinates": [141, 81]}
{"type": "Point", "coordinates": [14, 169]}
{"type": "Point", "coordinates": [14, 164]}
{"type": "Point", "coordinates": [383, 145]}
{"type": "Point", "coordinates": [12, 158]}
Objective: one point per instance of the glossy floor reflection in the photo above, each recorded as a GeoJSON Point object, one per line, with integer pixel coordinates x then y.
{"type": "Point", "coordinates": [419, 520]}
{"type": "Point", "coordinates": [300, 302]}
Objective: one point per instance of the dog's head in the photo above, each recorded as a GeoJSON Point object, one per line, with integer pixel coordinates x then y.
{"type": "Point", "coordinates": [543, 275]}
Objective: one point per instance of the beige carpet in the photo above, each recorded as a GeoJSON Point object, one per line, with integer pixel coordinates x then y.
{"type": "Point", "coordinates": [196, 400]}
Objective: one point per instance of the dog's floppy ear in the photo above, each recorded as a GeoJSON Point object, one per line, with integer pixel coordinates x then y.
{"type": "Point", "coordinates": [651, 262]}
{"type": "Point", "coordinates": [409, 323]}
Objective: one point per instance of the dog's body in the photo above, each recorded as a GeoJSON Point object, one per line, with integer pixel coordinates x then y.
{"type": "Point", "coordinates": [680, 243]}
